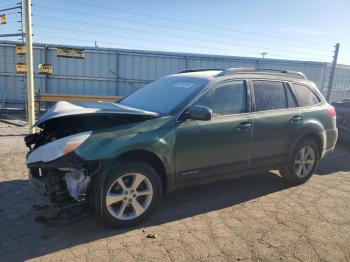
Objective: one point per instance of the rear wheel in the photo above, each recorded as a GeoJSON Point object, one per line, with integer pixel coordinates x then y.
{"type": "Point", "coordinates": [131, 193]}
{"type": "Point", "coordinates": [302, 163]}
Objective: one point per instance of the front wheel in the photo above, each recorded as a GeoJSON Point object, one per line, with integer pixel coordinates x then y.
{"type": "Point", "coordinates": [302, 163]}
{"type": "Point", "coordinates": [130, 194]}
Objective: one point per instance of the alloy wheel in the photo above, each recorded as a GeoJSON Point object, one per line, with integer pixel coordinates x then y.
{"type": "Point", "coordinates": [305, 161]}
{"type": "Point", "coordinates": [129, 196]}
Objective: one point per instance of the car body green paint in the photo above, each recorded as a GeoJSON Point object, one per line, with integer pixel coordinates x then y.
{"type": "Point", "coordinates": [193, 142]}
{"type": "Point", "coordinates": [218, 143]}
{"type": "Point", "coordinates": [155, 135]}
{"type": "Point", "coordinates": [194, 149]}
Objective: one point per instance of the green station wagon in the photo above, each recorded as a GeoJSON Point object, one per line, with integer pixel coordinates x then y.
{"type": "Point", "coordinates": [185, 129]}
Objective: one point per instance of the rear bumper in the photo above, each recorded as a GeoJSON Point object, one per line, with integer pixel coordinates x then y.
{"type": "Point", "coordinates": [327, 152]}
{"type": "Point", "coordinates": [330, 138]}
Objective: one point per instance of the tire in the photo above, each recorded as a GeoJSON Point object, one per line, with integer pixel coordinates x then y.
{"type": "Point", "coordinates": [138, 202]}
{"type": "Point", "coordinates": [298, 169]}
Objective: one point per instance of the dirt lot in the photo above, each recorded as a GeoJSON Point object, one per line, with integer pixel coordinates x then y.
{"type": "Point", "coordinates": [257, 218]}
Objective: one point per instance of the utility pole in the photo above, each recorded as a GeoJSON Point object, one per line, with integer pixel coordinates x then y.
{"type": "Point", "coordinates": [263, 54]}
{"type": "Point", "coordinates": [30, 76]}
{"type": "Point", "coordinates": [331, 76]}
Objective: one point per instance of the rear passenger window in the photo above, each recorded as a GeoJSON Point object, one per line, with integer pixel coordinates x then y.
{"type": "Point", "coordinates": [269, 95]}
{"type": "Point", "coordinates": [304, 95]}
{"type": "Point", "coordinates": [227, 98]}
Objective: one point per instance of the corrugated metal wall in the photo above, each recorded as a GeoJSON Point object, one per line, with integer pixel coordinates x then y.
{"type": "Point", "coordinates": [121, 72]}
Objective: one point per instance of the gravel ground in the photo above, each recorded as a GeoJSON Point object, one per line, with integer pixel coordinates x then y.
{"type": "Point", "coordinates": [257, 218]}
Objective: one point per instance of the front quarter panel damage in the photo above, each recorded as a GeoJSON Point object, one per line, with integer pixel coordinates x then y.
{"type": "Point", "coordinates": [71, 176]}
{"type": "Point", "coordinates": [155, 135]}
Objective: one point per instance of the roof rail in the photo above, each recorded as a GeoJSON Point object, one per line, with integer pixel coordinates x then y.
{"type": "Point", "coordinates": [247, 70]}
{"type": "Point", "coordinates": [199, 70]}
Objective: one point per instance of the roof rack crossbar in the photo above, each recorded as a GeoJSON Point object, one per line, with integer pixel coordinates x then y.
{"type": "Point", "coordinates": [282, 71]}
{"type": "Point", "coordinates": [200, 70]}
{"type": "Point", "coordinates": [247, 70]}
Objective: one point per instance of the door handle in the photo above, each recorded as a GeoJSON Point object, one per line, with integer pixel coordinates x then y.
{"type": "Point", "coordinates": [244, 126]}
{"type": "Point", "coordinates": [296, 119]}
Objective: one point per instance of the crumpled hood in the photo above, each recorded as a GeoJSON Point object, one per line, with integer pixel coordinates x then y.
{"type": "Point", "coordinates": [63, 108]}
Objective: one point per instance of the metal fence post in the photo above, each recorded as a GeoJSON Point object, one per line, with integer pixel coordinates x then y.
{"type": "Point", "coordinates": [186, 61]}
{"type": "Point", "coordinates": [46, 62]}
{"type": "Point", "coordinates": [324, 82]}
{"type": "Point", "coordinates": [331, 76]}
{"type": "Point", "coordinates": [116, 91]}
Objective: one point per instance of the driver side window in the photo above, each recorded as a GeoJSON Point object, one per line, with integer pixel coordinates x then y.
{"type": "Point", "coordinates": [226, 98]}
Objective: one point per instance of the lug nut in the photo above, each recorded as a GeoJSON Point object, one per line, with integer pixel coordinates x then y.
{"type": "Point", "coordinates": [134, 195]}
{"type": "Point", "coordinates": [126, 192]}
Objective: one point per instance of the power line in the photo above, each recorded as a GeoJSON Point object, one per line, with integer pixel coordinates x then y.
{"type": "Point", "coordinates": [128, 37]}
{"type": "Point", "coordinates": [12, 13]}
{"type": "Point", "coordinates": [170, 35]}
{"type": "Point", "coordinates": [91, 43]}
{"type": "Point", "coordinates": [157, 41]}
{"type": "Point", "coordinates": [11, 35]}
{"type": "Point", "coordinates": [9, 9]}
{"type": "Point", "coordinates": [140, 38]}
{"type": "Point", "coordinates": [155, 25]}
{"type": "Point", "coordinates": [13, 2]}
{"type": "Point", "coordinates": [186, 22]}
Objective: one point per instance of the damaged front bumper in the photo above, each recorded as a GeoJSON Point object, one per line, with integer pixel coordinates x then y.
{"type": "Point", "coordinates": [37, 184]}
{"type": "Point", "coordinates": [64, 179]}
{"type": "Point", "coordinates": [55, 170]}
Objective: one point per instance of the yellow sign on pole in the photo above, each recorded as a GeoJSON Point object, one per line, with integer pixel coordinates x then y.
{"type": "Point", "coordinates": [70, 52]}
{"type": "Point", "coordinates": [21, 68]}
{"type": "Point", "coordinates": [45, 69]}
{"type": "Point", "coordinates": [20, 50]}
{"type": "Point", "coordinates": [3, 19]}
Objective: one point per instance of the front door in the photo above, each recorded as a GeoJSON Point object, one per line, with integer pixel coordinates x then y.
{"type": "Point", "coordinates": [220, 145]}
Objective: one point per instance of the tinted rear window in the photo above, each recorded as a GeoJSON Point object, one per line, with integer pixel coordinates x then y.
{"type": "Point", "coordinates": [304, 95]}
{"type": "Point", "coordinates": [269, 95]}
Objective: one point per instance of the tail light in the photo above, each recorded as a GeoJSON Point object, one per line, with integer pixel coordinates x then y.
{"type": "Point", "coordinates": [331, 111]}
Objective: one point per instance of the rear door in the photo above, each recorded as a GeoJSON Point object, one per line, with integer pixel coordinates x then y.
{"type": "Point", "coordinates": [277, 121]}
{"type": "Point", "coordinates": [221, 145]}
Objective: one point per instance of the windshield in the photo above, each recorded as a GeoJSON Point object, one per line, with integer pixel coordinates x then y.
{"type": "Point", "coordinates": [166, 94]}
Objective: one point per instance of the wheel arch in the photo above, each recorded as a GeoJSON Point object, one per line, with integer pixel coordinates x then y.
{"type": "Point", "coordinates": [317, 138]}
{"type": "Point", "coordinates": [149, 157]}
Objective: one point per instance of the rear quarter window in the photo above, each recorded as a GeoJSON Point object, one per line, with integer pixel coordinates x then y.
{"type": "Point", "coordinates": [304, 95]}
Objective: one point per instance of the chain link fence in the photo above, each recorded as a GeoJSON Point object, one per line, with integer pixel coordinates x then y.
{"type": "Point", "coordinates": [341, 84]}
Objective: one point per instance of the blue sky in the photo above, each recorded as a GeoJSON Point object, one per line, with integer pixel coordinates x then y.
{"type": "Point", "coordinates": [305, 30]}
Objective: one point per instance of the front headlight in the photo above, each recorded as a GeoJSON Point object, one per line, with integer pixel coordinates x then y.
{"type": "Point", "coordinates": [57, 148]}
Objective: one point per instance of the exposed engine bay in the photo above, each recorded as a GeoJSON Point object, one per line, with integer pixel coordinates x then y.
{"type": "Point", "coordinates": [62, 185]}
{"type": "Point", "coordinates": [65, 177]}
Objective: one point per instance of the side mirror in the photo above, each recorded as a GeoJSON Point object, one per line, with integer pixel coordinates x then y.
{"type": "Point", "coordinates": [198, 112]}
